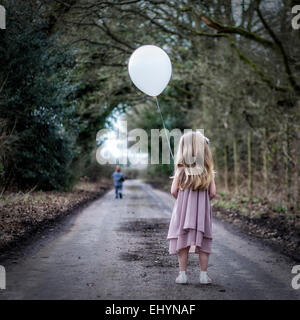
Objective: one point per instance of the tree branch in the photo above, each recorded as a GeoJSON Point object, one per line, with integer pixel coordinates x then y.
{"type": "Point", "coordinates": [237, 30]}
{"type": "Point", "coordinates": [103, 44]}
{"type": "Point", "coordinates": [288, 70]}
{"type": "Point", "coordinates": [257, 70]}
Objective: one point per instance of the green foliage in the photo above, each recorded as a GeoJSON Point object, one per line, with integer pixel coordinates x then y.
{"type": "Point", "coordinates": [34, 103]}
{"type": "Point", "coordinates": [44, 158]}
{"type": "Point", "coordinates": [280, 208]}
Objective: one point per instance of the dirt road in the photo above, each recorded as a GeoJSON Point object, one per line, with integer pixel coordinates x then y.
{"type": "Point", "coordinates": [117, 249]}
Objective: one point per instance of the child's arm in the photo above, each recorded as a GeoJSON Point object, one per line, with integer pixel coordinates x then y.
{"type": "Point", "coordinates": [212, 189]}
{"type": "Point", "coordinates": [175, 185]}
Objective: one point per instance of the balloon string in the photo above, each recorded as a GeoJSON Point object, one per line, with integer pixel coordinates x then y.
{"type": "Point", "coordinates": [162, 119]}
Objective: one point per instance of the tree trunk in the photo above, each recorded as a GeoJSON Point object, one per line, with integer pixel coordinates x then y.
{"type": "Point", "coordinates": [288, 175]}
{"type": "Point", "coordinates": [236, 165]}
{"type": "Point", "coordinates": [298, 189]}
{"type": "Point", "coordinates": [250, 177]}
{"type": "Point", "coordinates": [265, 162]}
{"type": "Point", "coordinates": [226, 169]}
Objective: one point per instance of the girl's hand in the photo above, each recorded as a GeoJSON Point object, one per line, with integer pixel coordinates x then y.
{"type": "Point", "coordinates": [174, 187]}
{"type": "Point", "coordinates": [212, 189]}
{"type": "Point", "coordinates": [175, 193]}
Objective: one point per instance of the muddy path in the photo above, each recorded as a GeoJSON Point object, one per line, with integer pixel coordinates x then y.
{"type": "Point", "coordinates": [117, 249]}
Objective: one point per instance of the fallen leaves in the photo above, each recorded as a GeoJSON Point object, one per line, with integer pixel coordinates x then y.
{"type": "Point", "coordinates": [280, 229]}
{"type": "Point", "coordinates": [21, 214]}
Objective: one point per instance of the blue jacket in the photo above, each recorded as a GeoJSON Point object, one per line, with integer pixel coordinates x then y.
{"type": "Point", "coordinates": [117, 176]}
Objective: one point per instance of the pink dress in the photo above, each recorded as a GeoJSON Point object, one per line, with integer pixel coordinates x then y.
{"type": "Point", "coordinates": [191, 222]}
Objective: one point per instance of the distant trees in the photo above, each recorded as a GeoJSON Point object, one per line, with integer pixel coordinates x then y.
{"type": "Point", "coordinates": [235, 75]}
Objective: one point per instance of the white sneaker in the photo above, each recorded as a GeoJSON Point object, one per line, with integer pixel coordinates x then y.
{"type": "Point", "coordinates": [182, 278]}
{"type": "Point", "coordinates": [204, 278]}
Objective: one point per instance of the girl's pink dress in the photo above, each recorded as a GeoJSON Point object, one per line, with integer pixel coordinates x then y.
{"type": "Point", "coordinates": [191, 222]}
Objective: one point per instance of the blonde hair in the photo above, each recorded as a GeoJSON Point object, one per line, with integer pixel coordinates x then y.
{"type": "Point", "coordinates": [118, 168]}
{"type": "Point", "coordinates": [195, 157]}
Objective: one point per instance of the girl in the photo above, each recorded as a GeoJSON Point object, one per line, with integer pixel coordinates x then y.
{"type": "Point", "coordinates": [193, 186]}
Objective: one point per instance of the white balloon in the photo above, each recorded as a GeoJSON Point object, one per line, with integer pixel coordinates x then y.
{"type": "Point", "coordinates": [150, 69]}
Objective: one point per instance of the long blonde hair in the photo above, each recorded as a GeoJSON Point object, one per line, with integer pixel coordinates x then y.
{"type": "Point", "coordinates": [195, 157]}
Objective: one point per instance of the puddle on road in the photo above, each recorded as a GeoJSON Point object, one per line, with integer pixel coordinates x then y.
{"type": "Point", "coordinates": [135, 197]}
{"type": "Point", "coordinates": [134, 188]}
{"type": "Point", "coordinates": [151, 245]}
{"type": "Point", "coordinates": [130, 256]}
{"type": "Point", "coordinates": [145, 226]}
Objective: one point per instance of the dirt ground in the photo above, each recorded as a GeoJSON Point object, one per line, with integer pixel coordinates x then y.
{"type": "Point", "coordinates": [117, 249]}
